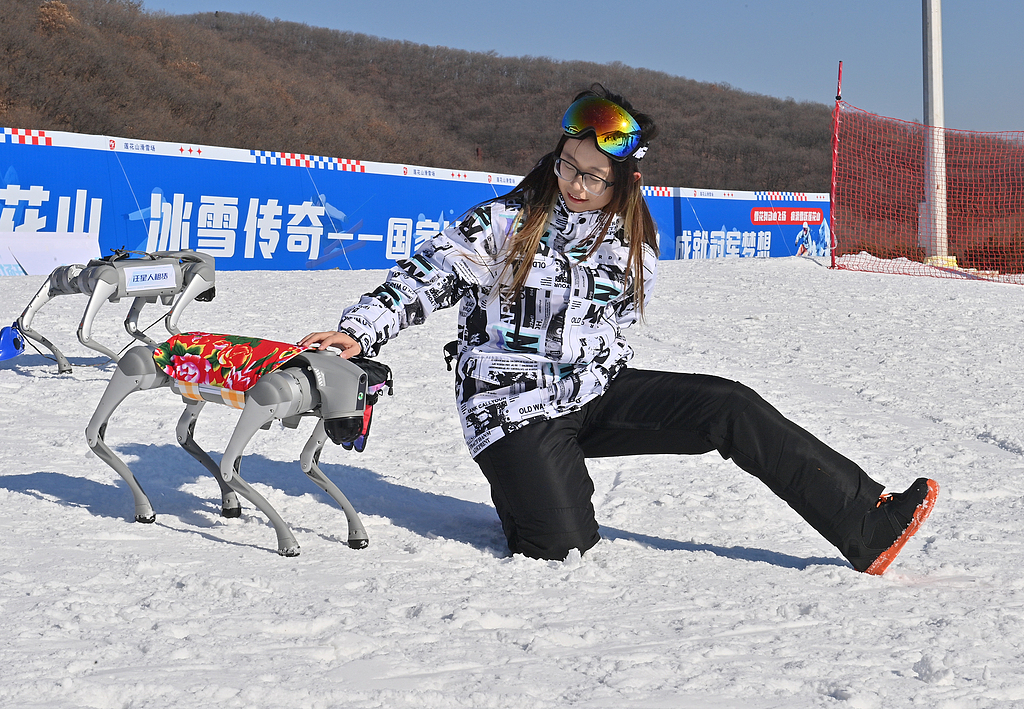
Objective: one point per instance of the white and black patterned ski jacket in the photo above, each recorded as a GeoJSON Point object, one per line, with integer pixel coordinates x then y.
{"type": "Point", "coordinates": [537, 356]}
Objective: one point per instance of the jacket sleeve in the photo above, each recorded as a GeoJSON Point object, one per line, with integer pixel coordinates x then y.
{"type": "Point", "coordinates": [625, 309]}
{"type": "Point", "coordinates": [461, 257]}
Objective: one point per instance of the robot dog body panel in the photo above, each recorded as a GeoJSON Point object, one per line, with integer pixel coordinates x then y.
{"type": "Point", "coordinates": [303, 383]}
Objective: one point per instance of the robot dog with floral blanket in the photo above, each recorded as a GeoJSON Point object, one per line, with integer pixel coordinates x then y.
{"type": "Point", "coordinates": [267, 380]}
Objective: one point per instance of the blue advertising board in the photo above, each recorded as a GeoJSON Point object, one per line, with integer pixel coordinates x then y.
{"type": "Point", "coordinates": [67, 197]}
{"type": "Point", "coordinates": [731, 224]}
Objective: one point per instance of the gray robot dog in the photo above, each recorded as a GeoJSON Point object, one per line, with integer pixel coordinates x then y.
{"type": "Point", "coordinates": [189, 275]}
{"type": "Point", "coordinates": [337, 391]}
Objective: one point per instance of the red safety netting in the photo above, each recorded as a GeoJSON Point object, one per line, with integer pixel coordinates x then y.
{"type": "Point", "coordinates": [888, 196]}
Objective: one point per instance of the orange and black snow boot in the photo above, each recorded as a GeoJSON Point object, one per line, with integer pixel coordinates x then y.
{"type": "Point", "coordinates": [887, 527]}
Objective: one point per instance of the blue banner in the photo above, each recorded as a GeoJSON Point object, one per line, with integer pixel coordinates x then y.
{"type": "Point", "coordinates": [67, 197]}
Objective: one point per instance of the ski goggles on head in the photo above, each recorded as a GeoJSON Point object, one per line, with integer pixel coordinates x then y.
{"type": "Point", "coordinates": [617, 133]}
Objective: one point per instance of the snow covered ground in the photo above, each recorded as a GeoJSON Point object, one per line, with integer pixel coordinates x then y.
{"type": "Point", "coordinates": [705, 592]}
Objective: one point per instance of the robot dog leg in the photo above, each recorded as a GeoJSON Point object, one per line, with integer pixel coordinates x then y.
{"type": "Point", "coordinates": [230, 506]}
{"type": "Point", "coordinates": [135, 372]}
{"type": "Point", "coordinates": [309, 460]}
{"type": "Point", "coordinates": [282, 394]}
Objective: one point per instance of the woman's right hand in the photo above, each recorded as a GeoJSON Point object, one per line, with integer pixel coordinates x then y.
{"type": "Point", "coordinates": [332, 338]}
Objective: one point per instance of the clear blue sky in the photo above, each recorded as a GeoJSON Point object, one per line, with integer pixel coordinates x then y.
{"type": "Point", "coordinates": [781, 48]}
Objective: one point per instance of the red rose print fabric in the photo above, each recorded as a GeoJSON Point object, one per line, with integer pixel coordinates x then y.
{"type": "Point", "coordinates": [227, 362]}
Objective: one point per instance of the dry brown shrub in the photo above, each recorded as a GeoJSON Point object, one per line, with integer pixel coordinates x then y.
{"type": "Point", "coordinates": [190, 70]}
{"type": "Point", "coordinates": [280, 93]}
{"type": "Point", "coordinates": [54, 17]}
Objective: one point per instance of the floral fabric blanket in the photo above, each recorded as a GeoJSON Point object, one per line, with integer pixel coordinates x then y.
{"type": "Point", "coordinates": [227, 365]}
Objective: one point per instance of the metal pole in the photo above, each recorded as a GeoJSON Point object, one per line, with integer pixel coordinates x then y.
{"type": "Point", "coordinates": [835, 158]}
{"type": "Point", "coordinates": [932, 235]}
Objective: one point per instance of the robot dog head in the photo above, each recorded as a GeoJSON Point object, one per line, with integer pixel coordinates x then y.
{"type": "Point", "coordinates": [345, 429]}
{"type": "Point", "coordinates": [349, 428]}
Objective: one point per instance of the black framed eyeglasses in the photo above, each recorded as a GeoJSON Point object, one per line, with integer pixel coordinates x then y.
{"type": "Point", "coordinates": [593, 184]}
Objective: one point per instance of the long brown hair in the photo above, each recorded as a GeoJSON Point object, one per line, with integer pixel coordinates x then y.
{"type": "Point", "coordinates": [538, 193]}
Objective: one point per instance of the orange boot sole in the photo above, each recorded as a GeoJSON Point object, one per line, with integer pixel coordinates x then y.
{"type": "Point", "coordinates": [879, 565]}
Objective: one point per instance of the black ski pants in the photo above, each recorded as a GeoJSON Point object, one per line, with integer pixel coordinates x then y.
{"type": "Point", "coordinates": [542, 490]}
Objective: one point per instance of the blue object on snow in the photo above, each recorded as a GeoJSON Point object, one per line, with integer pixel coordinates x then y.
{"type": "Point", "coordinates": [12, 343]}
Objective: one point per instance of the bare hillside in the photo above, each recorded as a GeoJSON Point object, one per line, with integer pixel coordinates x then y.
{"type": "Point", "coordinates": [108, 67]}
